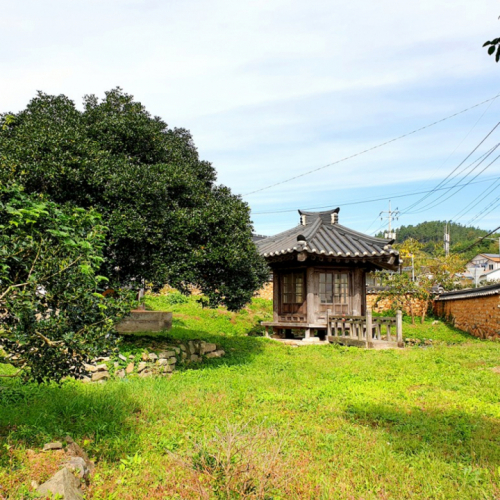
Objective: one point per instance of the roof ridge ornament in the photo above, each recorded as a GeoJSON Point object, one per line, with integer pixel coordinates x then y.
{"type": "Point", "coordinates": [326, 216]}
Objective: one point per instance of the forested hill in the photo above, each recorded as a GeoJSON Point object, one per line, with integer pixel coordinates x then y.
{"type": "Point", "coordinates": [431, 234]}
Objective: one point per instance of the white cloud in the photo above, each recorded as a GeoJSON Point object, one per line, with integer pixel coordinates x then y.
{"type": "Point", "coordinates": [271, 89]}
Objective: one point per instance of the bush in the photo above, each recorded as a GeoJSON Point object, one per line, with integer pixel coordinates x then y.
{"type": "Point", "coordinates": [176, 298]}
{"type": "Point", "coordinates": [53, 317]}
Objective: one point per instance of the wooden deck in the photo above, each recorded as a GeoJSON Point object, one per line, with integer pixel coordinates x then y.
{"type": "Point", "coordinates": [358, 331]}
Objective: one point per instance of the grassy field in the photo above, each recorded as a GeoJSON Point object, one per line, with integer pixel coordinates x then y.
{"type": "Point", "coordinates": [273, 421]}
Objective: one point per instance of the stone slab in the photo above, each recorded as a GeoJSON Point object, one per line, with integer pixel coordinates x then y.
{"type": "Point", "coordinates": [145, 321]}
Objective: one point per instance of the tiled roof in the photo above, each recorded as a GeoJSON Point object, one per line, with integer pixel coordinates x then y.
{"type": "Point", "coordinates": [322, 237]}
{"type": "Point", "coordinates": [257, 237]}
{"type": "Point", "coordinates": [470, 293]}
{"type": "Point", "coordinates": [491, 256]}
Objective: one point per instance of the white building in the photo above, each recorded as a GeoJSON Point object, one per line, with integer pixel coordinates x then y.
{"type": "Point", "coordinates": [483, 267]}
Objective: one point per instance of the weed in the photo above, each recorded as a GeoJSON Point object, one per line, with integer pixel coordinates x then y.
{"type": "Point", "coordinates": [238, 462]}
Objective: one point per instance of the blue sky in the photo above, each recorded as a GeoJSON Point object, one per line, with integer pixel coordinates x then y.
{"type": "Point", "coordinates": [272, 89]}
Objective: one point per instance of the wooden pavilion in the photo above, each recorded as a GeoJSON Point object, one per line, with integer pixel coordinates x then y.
{"type": "Point", "coordinates": [319, 284]}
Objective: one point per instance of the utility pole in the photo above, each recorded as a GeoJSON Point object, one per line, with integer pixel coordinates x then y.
{"type": "Point", "coordinates": [446, 240]}
{"type": "Point", "coordinates": [391, 215]}
{"type": "Point", "coordinates": [475, 276]}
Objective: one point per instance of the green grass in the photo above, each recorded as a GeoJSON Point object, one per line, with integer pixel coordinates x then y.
{"type": "Point", "coordinates": [345, 423]}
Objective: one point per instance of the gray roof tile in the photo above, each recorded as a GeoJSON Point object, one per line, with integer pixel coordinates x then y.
{"type": "Point", "coordinates": [321, 236]}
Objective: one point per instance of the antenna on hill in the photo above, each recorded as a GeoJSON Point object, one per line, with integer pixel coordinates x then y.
{"type": "Point", "coordinates": [391, 215]}
{"type": "Point", "coordinates": [446, 240]}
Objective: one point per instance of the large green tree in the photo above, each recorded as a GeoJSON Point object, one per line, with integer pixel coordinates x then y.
{"type": "Point", "coordinates": [52, 316]}
{"type": "Point", "coordinates": [168, 220]}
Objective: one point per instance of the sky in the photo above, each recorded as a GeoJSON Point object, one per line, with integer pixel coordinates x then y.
{"type": "Point", "coordinates": [273, 89]}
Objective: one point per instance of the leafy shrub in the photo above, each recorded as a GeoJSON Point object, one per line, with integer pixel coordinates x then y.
{"type": "Point", "coordinates": [52, 316]}
{"type": "Point", "coordinates": [176, 298]}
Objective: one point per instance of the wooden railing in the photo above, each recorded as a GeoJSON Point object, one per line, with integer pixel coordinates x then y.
{"type": "Point", "coordinates": [366, 330]}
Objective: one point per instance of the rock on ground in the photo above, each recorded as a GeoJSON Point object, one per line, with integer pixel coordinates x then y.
{"type": "Point", "coordinates": [73, 450]}
{"type": "Point", "coordinates": [62, 483]}
{"type": "Point", "coordinates": [208, 347]}
{"type": "Point", "coordinates": [78, 466]}
{"type": "Point", "coordinates": [100, 376]}
{"type": "Point", "coordinates": [57, 445]}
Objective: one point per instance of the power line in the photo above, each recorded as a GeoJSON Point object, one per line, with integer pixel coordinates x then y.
{"type": "Point", "coordinates": [373, 222]}
{"type": "Point", "coordinates": [445, 180]}
{"type": "Point", "coordinates": [489, 212]}
{"type": "Point", "coordinates": [488, 191]}
{"type": "Point", "coordinates": [479, 240]}
{"type": "Point", "coordinates": [428, 207]}
{"type": "Point", "coordinates": [372, 200]}
{"type": "Point", "coordinates": [484, 210]}
{"type": "Point", "coordinates": [372, 148]}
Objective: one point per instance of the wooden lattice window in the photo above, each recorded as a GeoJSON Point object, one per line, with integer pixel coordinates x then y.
{"type": "Point", "coordinates": [293, 288]}
{"type": "Point", "coordinates": [334, 288]}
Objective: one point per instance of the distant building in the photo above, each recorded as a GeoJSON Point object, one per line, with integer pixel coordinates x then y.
{"type": "Point", "coordinates": [483, 267]}
{"type": "Point", "coordinates": [490, 276]}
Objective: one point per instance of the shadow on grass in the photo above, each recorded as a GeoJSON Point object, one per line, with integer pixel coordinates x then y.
{"type": "Point", "coordinates": [239, 349]}
{"type": "Point", "coordinates": [451, 435]}
{"type": "Point", "coordinates": [437, 330]}
{"type": "Point", "coordinates": [103, 414]}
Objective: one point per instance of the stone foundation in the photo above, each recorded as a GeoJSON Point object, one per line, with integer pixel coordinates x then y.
{"type": "Point", "coordinates": [161, 362]}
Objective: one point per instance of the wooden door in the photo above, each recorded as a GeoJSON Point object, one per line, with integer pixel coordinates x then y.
{"type": "Point", "coordinates": [293, 293]}
{"type": "Point", "coordinates": [334, 293]}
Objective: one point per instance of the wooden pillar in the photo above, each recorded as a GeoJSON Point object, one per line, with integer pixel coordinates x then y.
{"type": "Point", "coordinates": [369, 327]}
{"type": "Point", "coordinates": [276, 296]}
{"type": "Point", "coordinates": [311, 317]}
{"type": "Point", "coordinates": [308, 333]}
{"type": "Point", "coordinates": [267, 331]}
{"type": "Point", "coordinates": [358, 291]}
{"type": "Point", "coordinates": [399, 327]}
{"type": "Point", "coordinates": [364, 309]}
{"type": "Point", "coordinates": [328, 324]}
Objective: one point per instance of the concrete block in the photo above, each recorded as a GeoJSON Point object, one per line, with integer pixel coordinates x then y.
{"type": "Point", "coordinates": [145, 321]}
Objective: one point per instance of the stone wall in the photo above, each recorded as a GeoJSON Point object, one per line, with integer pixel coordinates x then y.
{"type": "Point", "coordinates": [385, 304]}
{"type": "Point", "coordinates": [161, 361]}
{"type": "Point", "coordinates": [479, 316]}
{"type": "Point", "coordinates": [266, 292]}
